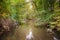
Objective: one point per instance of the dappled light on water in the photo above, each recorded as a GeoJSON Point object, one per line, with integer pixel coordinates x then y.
{"type": "Point", "coordinates": [29, 36]}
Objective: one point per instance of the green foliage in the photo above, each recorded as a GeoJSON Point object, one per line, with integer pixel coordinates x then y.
{"type": "Point", "coordinates": [19, 9]}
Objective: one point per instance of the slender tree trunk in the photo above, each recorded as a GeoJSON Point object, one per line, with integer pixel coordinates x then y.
{"type": "Point", "coordinates": [59, 3]}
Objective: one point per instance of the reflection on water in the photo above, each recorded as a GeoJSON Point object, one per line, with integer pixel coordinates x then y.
{"type": "Point", "coordinates": [30, 35]}
{"type": "Point", "coordinates": [51, 32]}
{"type": "Point", "coordinates": [55, 38]}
